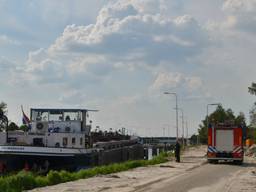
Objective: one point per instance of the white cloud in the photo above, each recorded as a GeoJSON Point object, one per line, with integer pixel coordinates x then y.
{"type": "Point", "coordinates": [126, 34]}
{"type": "Point", "coordinates": [5, 40]}
{"type": "Point", "coordinates": [40, 68]}
{"type": "Point", "coordinates": [53, 13]}
{"type": "Point", "coordinates": [70, 69]}
{"type": "Point", "coordinates": [136, 49]}
{"type": "Point", "coordinates": [169, 81]}
{"type": "Point", "coordinates": [6, 65]}
{"type": "Point", "coordinates": [194, 83]}
{"type": "Point", "coordinates": [240, 5]}
{"type": "Point", "coordinates": [36, 60]}
{"type": "Point", "coordinates": [242, 14]}
{"type": "Point", "coordinates": [122, 30]}
{"type": "Point", "coordinates": [128, 100]}
{"type": "Point", "coordinates": [9, 72]}
{"type": "Point", "coordinates": [73, 97]}
{"type": "Point", "coordinates": [109, 64]}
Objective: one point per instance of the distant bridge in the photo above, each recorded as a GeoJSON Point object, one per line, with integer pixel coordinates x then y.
{"type": "Point", "coordinates": [158, 140]}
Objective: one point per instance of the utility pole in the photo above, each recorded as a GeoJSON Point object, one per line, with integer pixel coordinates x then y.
{"type": "Point", "coordinates": [182, 121]}
{"type": "Point", "coordinates": [167, 126]}
{"type": "Point", "coordinates": [177, 115]}
{"type": "Point", "coordinates": [187, 132]}
{"type": "Point", "coordinates": [182, 117]}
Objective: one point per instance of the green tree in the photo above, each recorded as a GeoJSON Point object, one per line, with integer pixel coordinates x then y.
{"type": "Point", "coordinates": [252, 89]}
{"type": "Point", "coordinates": [220, 115]}
{"type": "Point", "coordinates": [3, 110]}
{"type": "Point", "coordinates": [3, 107]}
{"type": "Point", "coordinates": [253, 116]}
{"type": "Point", "coordinates": [240, 119]}
{"type": "Point", "coordinates": [12, 127]}
{"type": "Point", "coordinates": [193, 139]}
{"type": "Point", "coordinates": [252, 126]}
{"type": "Point", "coordinates": [24, 128]}
{"type": "Point", "coordinates": [251, 132]}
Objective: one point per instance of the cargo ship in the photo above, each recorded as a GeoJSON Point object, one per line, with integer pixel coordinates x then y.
{"type": "Point", "coordinates": [56, 139]}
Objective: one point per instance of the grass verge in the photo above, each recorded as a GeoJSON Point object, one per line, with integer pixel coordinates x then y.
{"type": "Point", "coordinates": [28, 180]}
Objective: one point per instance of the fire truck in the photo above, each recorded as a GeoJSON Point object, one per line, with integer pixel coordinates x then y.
{"type": "Point", "coordinates": [225, 142]}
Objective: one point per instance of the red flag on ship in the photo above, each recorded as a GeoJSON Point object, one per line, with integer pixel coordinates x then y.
{"type": "Point", "coordinates": [25, 119]}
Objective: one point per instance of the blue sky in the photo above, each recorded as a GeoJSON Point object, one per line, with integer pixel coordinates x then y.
{"type": "Point", "coordinates": [120, 56]}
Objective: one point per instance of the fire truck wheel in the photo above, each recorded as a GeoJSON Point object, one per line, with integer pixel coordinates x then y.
{"type": "Point", "coordinates": [238, 162]}
{"type": "Point", "coordinates": [212, 161]}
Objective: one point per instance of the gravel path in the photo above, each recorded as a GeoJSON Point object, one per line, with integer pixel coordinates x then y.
{"type": "Point", "coordinates": [193, 174]}
{"type": "Point", "coordinates": [135, 179]}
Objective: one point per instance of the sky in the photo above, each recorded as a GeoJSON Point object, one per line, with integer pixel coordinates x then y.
{"type": "Point", "coordinates": [119, 57]}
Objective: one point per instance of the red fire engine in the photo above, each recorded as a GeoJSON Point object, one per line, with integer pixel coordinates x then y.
{"type": "Point", "coordinates": [225, 142]}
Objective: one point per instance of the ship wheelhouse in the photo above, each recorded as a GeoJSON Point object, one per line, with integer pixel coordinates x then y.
{"type": "Point", "coordinates": [68, 128]}
{"type": "Point", "coordinates": [54, 128]}
{"type": "Point", "coordinates": [59, 121]}
{"type": "Point", "coordinates": [55, 139]}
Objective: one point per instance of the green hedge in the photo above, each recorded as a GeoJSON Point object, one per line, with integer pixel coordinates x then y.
{"type": "Point", "coordinates": [28, 180]}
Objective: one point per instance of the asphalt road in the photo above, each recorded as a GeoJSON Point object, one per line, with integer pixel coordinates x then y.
{"type": "Point", "coordinates": [198, 179]}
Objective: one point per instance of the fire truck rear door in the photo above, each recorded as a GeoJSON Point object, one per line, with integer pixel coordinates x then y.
{"type": "Point", "coordinates": [224, 140]}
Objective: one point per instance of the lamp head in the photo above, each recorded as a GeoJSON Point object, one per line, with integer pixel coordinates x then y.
{"type": "Point", "coordinates": [214, 104]}
{"type": "Point", "coordinates": [169, 93]}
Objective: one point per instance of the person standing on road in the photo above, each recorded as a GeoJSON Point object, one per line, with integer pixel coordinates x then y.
{"type": "Point", "coordinates": [177, 151]}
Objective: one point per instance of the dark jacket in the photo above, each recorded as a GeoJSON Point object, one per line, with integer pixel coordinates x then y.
{"type": "Point", "coordinates": [177, 148]}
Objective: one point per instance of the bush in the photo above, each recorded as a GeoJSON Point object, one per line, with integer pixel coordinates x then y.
{"type": "Point", "coordinates": [66, 176]}
{"type": "Point", "coordinates": [41, 181]}
{"type": "Point", "coordinates": [54, 177]}
{"type": "Point", "coordinates": [83, 174]}
{"type": "Point", "coordinates": [28, 180]}
{"type": "Point", "coordinates": [19, 182]}
{"type": "Point", "coordinates": [3, 184]}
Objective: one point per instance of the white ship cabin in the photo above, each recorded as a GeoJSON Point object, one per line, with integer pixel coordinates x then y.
{"type": "Point", "coordinates": [64, 128]}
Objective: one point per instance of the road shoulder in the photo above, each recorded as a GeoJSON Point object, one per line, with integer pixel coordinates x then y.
{"type": "Point", "coordinates": [135, 179]}
{"type": "Point", "coordinates": [244, 180]}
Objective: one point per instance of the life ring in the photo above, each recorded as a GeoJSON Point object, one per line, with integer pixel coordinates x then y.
{"type": "Point", "coordinates": [39, 126]}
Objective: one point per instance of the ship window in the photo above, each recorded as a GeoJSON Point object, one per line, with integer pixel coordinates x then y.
{"type": "Point", "coordinates": [73, 141]}
{"type": "Point", "coordinates": [81, 141]}
{"type": "Point", "coordinates": [38, 142]}
{"type": "Point", "coordinates": [55, 116]}
{"type": "Point", "coordinates": [67, 118]}
{"type": "Point", "coordinates": [39, 116]}
{"type": "Point", "coordinates": [65, 141]}
{"type": "Point", "coordinates": [45, 116]}
{"type": "Point", "coordinates": [72, 116]}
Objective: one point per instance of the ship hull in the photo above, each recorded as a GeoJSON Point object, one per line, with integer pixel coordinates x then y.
{"type": "Point", "coordinates": [14, 158]}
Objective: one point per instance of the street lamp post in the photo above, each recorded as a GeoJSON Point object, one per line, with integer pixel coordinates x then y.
{"type": "Point", "coordinates": [167, 126]}
{"type": "Point", "coordinates": [177, 120]}
{"type": "Point", "coordinates": [207, 118]}
{"type": "Point", "coordinates": [163, 131]}
{"type": "Point", "coordinates": [187, 130]}
{"type": "Point", "coordinates": [207, 109]}
{"type": "Point", "coordinates": [182, 123]}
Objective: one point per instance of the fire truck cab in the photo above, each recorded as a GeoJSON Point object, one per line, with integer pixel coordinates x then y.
{"type": "Point", "coordinates": [225, 142]}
